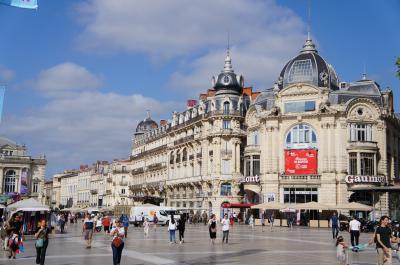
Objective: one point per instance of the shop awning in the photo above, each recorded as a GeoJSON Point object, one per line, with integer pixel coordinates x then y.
{"type": "Point", "coordinates": [29, 205]}
{"type": "Point", "coordinates": [311, 206]}
{"type": "Point", "coordinates": [353, 206]}
{"type": "Point", "coordinates": [236, 205]}
{"type": "Point", "coordinates": [269, 206]}
{"type": "Point", "coordinates": [379, 188]}
{"type": "Point", "coordinates": [252, 187]}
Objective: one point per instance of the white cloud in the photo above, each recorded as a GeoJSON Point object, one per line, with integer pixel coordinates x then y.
{"type": "Point", "coordinates": [6, 74]}
{"type": "Point", "coordinates": [82, 129]}
{"type": "Point", "coordinates": [66, 78]}
{"type": "Point", "coordinates": [264, 36]}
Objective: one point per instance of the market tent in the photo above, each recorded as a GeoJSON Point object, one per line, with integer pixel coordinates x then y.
{"type": "Point", "coordinates": [269, 206]}
{"type": "Point", "coordinates": [28, 205]}
{"type": "Point", "coordinates": [352, 206]}
{"type": "Point", "coordinates": [311, 206]}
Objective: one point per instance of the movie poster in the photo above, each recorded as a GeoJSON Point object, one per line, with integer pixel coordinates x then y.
{"type": "Point", "coordinates": [24, 182]}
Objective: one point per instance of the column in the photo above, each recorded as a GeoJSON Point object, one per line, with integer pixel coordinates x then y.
{"type": "Point", "coordinates": [1, 179]}
{"type": "Point", "coordinates": [358, 164]}
{"type": "Point", "coordinates": [237, 157]}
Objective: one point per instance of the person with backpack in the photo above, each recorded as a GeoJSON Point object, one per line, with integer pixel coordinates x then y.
{"type": "Point", "coordinates": [172, 229]}
{"type": "Point", "coordinates": [42, 241]}
{"type": "Point", "coordinates": [181, 228]}
{"type": "Point", "coordinates": [117, 244]}
{"type": "Point", "coordinates": [87, 230]}
{"type": "Point", "coordinates": [212, 228]}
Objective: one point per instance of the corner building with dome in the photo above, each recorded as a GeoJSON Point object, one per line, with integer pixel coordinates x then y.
{"type": "Point", "coordinates": [313, 138]}
{"type": "Point", "coordinates": [194, 160]}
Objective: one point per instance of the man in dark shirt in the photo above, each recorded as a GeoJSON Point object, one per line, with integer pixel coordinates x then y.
{"type": "Point", "coordinates": [335, 225]}
{"type": "Point", "coordinates": [383, 238]}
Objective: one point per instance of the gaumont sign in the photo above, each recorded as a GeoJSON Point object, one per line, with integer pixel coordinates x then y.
{"type": "Point", "coordinates": [350, 179]}
{"type": "Point", "coordinates": [250, 179]}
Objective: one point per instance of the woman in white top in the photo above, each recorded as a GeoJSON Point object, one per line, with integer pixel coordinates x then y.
{"type": "Point", "coordinates": [225, 228]}
{"type": "Point", "coordinates": [172, 229]}
{"type": "Point", "coordinates": [118, 234]}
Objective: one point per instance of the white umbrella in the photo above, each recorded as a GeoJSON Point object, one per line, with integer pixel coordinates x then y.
{"type": "Point", "coordinates": [288, 210]}
{"type": "Point", "coordinates": [353, 206]}
{"type": "Point", "coordinates": [269, 206]}
{"type": "Point", "coordinates": [311, 206]}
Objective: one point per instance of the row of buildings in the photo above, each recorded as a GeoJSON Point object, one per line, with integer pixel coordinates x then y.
{"type": "Point", "coordinates": [309, 137]}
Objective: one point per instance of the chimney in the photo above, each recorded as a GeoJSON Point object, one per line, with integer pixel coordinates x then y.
{"type": "Point", "coordinates": [163, 123]}
{"type": "Point", "coordinates": [191, 103]}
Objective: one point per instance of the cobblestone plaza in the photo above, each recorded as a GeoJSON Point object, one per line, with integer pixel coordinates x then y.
{"type": "Point", "coordinates": [280, 247]}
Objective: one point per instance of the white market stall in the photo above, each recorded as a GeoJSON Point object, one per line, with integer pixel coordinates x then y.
{"type": "Point", "coordinates": [31, 210]}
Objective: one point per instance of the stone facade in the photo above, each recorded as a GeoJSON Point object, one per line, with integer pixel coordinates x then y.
{"type": "Point", "coordinates": [19, 172]}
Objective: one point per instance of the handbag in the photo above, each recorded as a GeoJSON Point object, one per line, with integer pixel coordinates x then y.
{"type": "Point", "coordinates": [117, 242]}
{"type": "Point", "coordinates": [39, 243]}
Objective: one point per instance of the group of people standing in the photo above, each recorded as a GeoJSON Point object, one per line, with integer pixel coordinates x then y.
{"type": "Point", "coordinates": [385, 238]}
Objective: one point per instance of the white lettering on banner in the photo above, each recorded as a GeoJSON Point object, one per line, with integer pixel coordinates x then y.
{"type": "Point", "coordinates": [250, 179]}
{"type": "Point", "coordinates": [350, 179]}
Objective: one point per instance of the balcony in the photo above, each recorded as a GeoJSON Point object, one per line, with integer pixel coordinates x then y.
{"type": "Point", "coordinates": [365, 145]}
{"type": "Point", "coordinates": [252, 149]}
{"type": "Point", "coordinates": [120, 171]}
{"type": "Point", "coordinates": [184, 140]}
{"type": "Point", "coordinates": [109, 179]}
{"type": "Point", "coordinates": [137, 171]}
{"type": "Point", "coordinates": [315, 179]}
{"type": "Point", "coordinates": [156, 166]}
{"type": "Point", "coordinates": [226, 154]}
{"type": "Point", "coordinates": [93, 191]}
{"type": "Point", "coordinates": [227, 132]}
{"type": "Point", "coordinates": [108, 192]}
{"type": "Point", "coordinates": [123, 183]}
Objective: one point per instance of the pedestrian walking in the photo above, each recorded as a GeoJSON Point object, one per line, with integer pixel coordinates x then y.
{"type": "Point", "coordinates": [146, 227]}
{"type": "Point", "coordinates": [171, 230]}
{"type": "Point", "coordinates": [117, 244]}
{"type": "Point", "coordinates": [125, 223]}
{"type": "Point", "coordinates": [225, 229]}
{"type": "Point", "coordinates": [341, 251]}
{"type": "Point", "coordinates": [62, 223]}
{"type": "Point", "coordinates": [384, 238]}
{"type": "Point", "coordinates": [231, 219]}
{"type": "Point", "coordinates": [251, 222]}
{"type": "Point", "coordinates": [106, 224]}
{"type": "Point", "coordinates": [205, 217]}
{"type": "Point", "coordinates": [155, 221]}
{"type": "Point", "coordinates": [87, 230]}
{"type": "Point", "coordinates": [335, 225]}
{"type": "Point", "coordinates": [181, 228]}
{"type": "Point", "coordinates": [13, 244]}
{"type": "Point", "coordinates": [354, 229]}
{"type": "Point", "coordinates": [262, 221]}
{"type": "Point", "coordinates": [42, 241]}
{"type": "Point", "coordinates": [212, 228]}
{"type": "Point", "coordinates": [271, 220]}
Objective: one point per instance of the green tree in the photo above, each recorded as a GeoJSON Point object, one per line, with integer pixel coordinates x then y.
{"type": "Point", "coordinates": [398, 67]}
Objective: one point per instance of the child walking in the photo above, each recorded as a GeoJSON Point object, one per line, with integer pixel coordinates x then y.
{"type": "Point", "coordinates": [146, 226]}
{"type": "Point", "coordinates": [341, 251]}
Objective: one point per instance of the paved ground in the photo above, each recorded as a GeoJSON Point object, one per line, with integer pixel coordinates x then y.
{"type": "Point", "coordinates": [281, 247]}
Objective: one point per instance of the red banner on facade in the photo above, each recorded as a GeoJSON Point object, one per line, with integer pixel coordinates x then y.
{"type": "Point", "coordinates": [301, 162]}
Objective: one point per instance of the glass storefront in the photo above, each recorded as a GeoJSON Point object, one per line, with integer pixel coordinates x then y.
{"type": "Point", "coordinates": [300, 195]}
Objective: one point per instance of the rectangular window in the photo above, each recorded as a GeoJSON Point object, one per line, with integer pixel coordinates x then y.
{"type": "Point", "coordinates": [299, 106]}
{"type": "Point", "coordinates": [300, 195]}
{"type": "Point", "coordinates": [256, 165]}
{"type": "Point", "coordinates": [247, 169]}
{"type": "Point", "coordinates": [226, 124]}
{"type": "Point", "coordinates": [35, 187]}
{"type": "Point", "coordinates": [352, 163]}
{"type": "Point", "coordinates": [361, 132]}
{"type": "Point", "coordinates": [367, 164]}
{"type": "Point", "coordinates": [122, 191]}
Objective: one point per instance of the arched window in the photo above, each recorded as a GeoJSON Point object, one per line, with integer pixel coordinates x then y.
{"type": "Point", "coordinates": [184, 155]}
{"type": "Point", "coordinates": [226, 189]}
{"type": "Point", "coordinates": [226, 107]}
{"type": "Point", "coordinates": [10, 181]}
{"type": "Point", "coordinates": [301, 136]}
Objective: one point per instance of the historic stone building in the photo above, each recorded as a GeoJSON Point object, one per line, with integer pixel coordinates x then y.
{"type": "Point", "coordinates": [20, 173]}
{"type": "Point", "coordinates": [194, 161]}
{"type": "Point", "coordinates": [313, 138]}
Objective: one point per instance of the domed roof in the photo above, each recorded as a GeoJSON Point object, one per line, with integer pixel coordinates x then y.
{"type": "Point", "coordinates": [308, 67]}
{"type": "Point", "coordinates": [146, 125]}
{"type": "Point", "coordinates": [227, 81]}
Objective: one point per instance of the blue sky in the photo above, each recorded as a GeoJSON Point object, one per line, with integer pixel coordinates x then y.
{"type": "Point", "coordinates": [80, 74]}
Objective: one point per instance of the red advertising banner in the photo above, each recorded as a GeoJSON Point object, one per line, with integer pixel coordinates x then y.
{"type": "Point", "coordinates": [301, 162]}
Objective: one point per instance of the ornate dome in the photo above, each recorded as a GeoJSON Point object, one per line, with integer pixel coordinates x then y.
{"type": "Point", "coordinates": [308, 67]}
{"type": "Point", "coordinates": [146, 125]}
{"type": "Point", "coordinates": [227, 81]}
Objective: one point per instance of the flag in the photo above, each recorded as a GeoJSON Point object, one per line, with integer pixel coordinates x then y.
{"type": "Point", "coordinates": [2, 90]}
{"type": "Point", "coordinates": [31, 4]}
